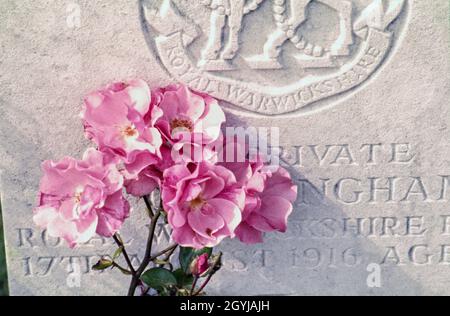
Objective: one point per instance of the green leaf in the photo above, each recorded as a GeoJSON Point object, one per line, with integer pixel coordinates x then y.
{"type": "Point", "coordinates": [102, 264]}
{"type": "Point", "coordinates": [159, 278]}
{"type": "Point", "coordinates": [183, 279]}
{"type": "Point", "coordinates": [117, 253]}
{"type": "Point", "coordinates": [188, 254]}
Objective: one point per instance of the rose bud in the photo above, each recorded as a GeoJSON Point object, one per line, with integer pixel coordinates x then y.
{"type": "Point", "coordinates": [102, 264]}
{"type": "Point", "coordinates": [200, 265]}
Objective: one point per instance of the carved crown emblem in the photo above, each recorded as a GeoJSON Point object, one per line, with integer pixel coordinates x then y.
{"type": "Point", "coordinates": [273, 56]}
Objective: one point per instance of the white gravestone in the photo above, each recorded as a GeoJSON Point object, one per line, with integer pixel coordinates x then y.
{"type": "Point", "coordinates": [358, 88]}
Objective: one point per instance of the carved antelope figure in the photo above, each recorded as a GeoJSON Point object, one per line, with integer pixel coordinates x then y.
{"type": "Point", "coordinates": [231, 13]}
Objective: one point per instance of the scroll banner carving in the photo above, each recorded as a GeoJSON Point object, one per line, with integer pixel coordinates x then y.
{"type": "Point", "coordinates": [176, 32]}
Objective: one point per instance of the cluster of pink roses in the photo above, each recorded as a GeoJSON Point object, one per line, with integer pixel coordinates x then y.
{"type": "Point", "coordinates": [144, 142]}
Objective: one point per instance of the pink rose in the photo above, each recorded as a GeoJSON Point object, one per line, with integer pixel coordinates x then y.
{"type": "Point", "coordinates": [270, 193]}
{"type": "Point", "coordinates": [80, 198]}
{"type": "Point", "coordinates": [150, 177]}
{"type": "Point", "coordinates": [203, 203]}
{"type": "Point", "coordinates": [120, 121]}
{"type": "Point", "coordinates": [190, 121]}
{"type": "Point", "coordinates": [200, 265]}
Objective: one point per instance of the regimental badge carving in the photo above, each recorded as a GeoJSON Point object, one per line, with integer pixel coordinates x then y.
{"type": "Point", "coordinates": [273, 56]}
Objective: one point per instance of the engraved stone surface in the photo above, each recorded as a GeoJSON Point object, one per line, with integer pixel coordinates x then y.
{"type": "Point", "coordinates": [310, 50]}
{"type": "Point", "coordinates": [358, 88]}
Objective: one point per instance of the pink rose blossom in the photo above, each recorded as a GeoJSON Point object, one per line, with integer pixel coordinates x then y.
{"type": "Point", "coordinates": [120, 120]}
{"type": "Point", "coordinates": [203, 203]}
{"type": "Point", "coordinates": [80, 198]}
{"type": "Point", "coordinates": [190, 121]}
{"type": "Point", "coordinates": [200, 265]}
{"type": "Point", "coordinates": [270, 193]}
{"type": "Point", "coordinates": [150, 177]}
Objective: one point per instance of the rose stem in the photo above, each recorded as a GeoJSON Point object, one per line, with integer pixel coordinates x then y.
{"type": "Point", "coordinates": [193, 285]}
{"type": "Point", "coordinates": [149, 206]}
{"type": "Point", "coordinates": [169, 250]}
{"type": "Point", "coordinates": [203, 285]}
{"type": "Point", "coordinates": [121, 268]}
{"type": "Point", "coordinates": [119, 242]}
{"type": "Point", "coordinates": [147, 257]}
